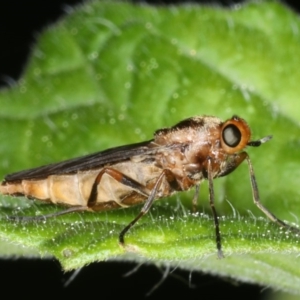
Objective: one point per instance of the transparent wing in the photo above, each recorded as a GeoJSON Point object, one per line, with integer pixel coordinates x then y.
{"type": "Point", "coordinates": [88, 162]}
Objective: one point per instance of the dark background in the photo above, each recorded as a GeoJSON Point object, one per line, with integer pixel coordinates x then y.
{"type": "Point", "coordinates": [20, 21]}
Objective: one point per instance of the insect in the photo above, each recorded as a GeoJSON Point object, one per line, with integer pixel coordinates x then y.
{"type": "Point", "coordinates": [176, 159]}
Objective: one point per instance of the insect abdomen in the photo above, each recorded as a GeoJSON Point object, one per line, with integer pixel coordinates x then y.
{"type": "Point", "coordinates": [62, 189]}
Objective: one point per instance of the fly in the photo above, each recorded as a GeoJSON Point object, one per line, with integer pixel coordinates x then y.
{"type": "Point", "coordinates": [176, 159]}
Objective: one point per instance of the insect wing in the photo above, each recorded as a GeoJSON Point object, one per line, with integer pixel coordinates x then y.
{"type": "Point", "coordinates": [88, 162]}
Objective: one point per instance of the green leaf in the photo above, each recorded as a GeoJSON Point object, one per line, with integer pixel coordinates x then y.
{"type": "Point", "coordinates": [112, 73]}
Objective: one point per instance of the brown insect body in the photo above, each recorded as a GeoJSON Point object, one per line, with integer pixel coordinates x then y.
{"type": "Point", "coordinates": [182, 149]}
{"type": "Point", "coordinates": [177, 159]}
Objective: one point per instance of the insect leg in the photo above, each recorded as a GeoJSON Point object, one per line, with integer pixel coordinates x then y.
{"type": "Point", "coordinates": [118, 176]}
{"type": "Point", "coordinates": [44, 217]}
{"type": "Point", "coordinates": [256, 200]}
{"type": "Point", "coordinates": [195, 198]}
{"type": "Point", "coordinates": [145, 208]}
{"type": "Point", "coordinates": [214, 212]}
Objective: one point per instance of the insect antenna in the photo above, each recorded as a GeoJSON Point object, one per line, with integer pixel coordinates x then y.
{"type": "Point", "coordinates": [259, 142]}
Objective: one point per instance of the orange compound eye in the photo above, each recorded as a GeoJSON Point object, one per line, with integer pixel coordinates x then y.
{"type": "Point", "coordinates": [235, 135]}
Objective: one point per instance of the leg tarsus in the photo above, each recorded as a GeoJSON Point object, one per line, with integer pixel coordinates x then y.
{"type": "Point", "coordinates": [145, 208]}
{"type": "Point", "coordinates": [214, 212]}
{"type": "Point", "coordinates": [256, 200]}
{"type": "Point", "coordinates": [48, 216]}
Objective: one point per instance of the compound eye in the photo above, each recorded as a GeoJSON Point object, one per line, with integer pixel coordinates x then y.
{"type": "Point", "coordinates": [235, 135]}
{"type": "Point", "coordinates": [231, 135]}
